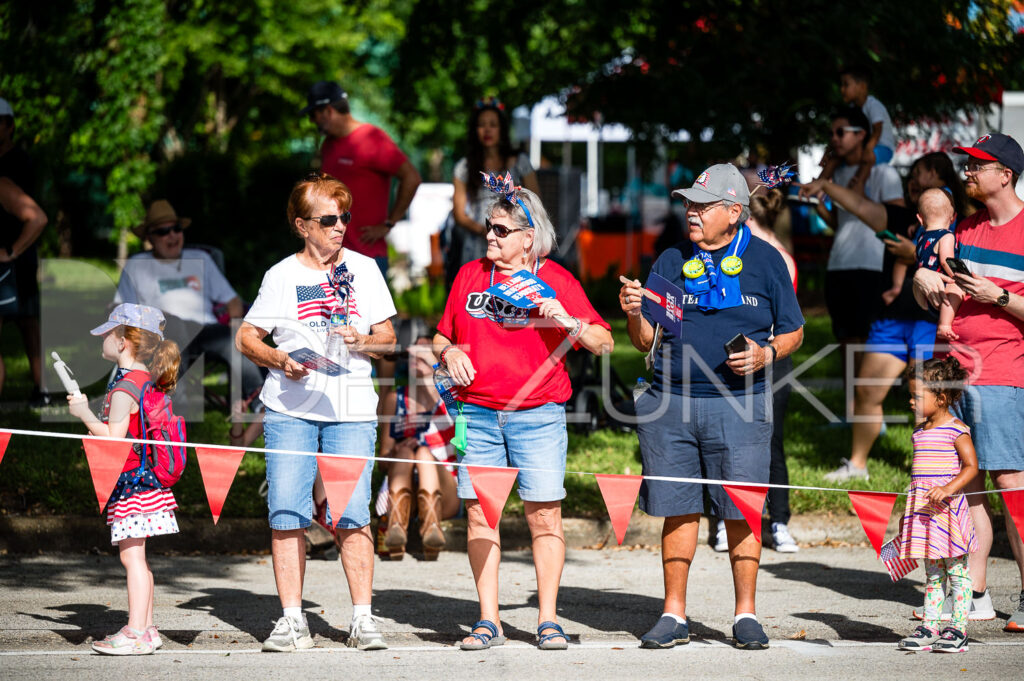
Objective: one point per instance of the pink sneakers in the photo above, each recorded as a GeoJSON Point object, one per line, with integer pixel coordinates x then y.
{"type": "Point", "coordinates": [125, 642]}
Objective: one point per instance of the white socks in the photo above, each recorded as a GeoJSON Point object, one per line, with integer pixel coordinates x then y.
{"type": "Point", "coordinates": [677, 618]}
{"type": "Point", "coordinates": [294, 613]}
{"type": "Point", "coordinates": [358, 610]}
{"type": "Point", "coordinates": [745, 616]}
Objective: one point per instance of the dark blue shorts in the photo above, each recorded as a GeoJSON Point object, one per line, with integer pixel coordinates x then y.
{"type": "Point", "coordinates": [714, 438]}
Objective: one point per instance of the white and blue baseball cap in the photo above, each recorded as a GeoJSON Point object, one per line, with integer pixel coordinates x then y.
{"type": "Point", "coordinates": [129, 314]}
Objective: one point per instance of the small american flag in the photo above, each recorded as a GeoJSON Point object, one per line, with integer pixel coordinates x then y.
{"type": "Point", "coordinates": [315, 301]}
{"type": "Point", "coordinates": [898, 567]}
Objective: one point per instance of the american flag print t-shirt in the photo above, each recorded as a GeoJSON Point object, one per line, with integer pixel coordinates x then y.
{"type": "Point", "coordinates": [319, 301]}
{"type": "Point", "coordinates": [294, 305]}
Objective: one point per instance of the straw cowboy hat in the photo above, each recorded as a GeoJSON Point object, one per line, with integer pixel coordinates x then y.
{"type": "Point", "coordinates": [160, 212]}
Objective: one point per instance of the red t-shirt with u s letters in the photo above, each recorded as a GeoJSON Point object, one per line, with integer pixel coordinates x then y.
{"type": "Point", "coordinates": [517, 359]}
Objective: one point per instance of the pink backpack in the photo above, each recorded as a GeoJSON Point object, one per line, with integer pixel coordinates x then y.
{"type": "Point", "coordinates": [156, 416]}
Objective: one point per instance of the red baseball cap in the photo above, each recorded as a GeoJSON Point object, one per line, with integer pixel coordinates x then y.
{"type": "Point", "coordinates": [996, 147]}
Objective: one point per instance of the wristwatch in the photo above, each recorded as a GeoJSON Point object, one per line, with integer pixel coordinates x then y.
{"type": "Point", "coordinates": [1003, 300]}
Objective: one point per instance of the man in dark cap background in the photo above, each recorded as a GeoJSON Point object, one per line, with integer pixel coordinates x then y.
{"type": "Point", "coordinates": [365, 158]}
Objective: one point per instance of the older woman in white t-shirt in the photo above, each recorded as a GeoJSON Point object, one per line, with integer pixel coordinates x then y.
{"type": "Point", "coordinates": [311, 411]}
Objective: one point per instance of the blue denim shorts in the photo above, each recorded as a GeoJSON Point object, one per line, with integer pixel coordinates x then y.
{"type": "Point", "coordinates": [994, 414]}
{"type": "Point", "coordinates": [290, 477]}
{"type": "Point", "coordinates": [701, 437]}
{"type": "Point", "coordinates": [904, 339]}
{"type": "Point", "coordinates": [527, 438]}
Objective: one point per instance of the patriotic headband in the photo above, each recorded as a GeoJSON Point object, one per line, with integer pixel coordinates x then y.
{"type": "Point", "coordinates": [507, 189]}
{"type": "Point", "coordinates": [774, 176]}
{"type": "Point", "coordinates": [492, 103]}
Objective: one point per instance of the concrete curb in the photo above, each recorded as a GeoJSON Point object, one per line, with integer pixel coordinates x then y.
{"type": "Point", "coordinates": [48, 534]}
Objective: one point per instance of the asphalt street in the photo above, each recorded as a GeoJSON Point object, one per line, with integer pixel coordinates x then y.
{"type": "Point", "coordinates": [831, 613]}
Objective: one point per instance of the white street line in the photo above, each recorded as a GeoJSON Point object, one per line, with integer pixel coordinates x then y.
{"type": "Point", "coordinates": [802, 646]}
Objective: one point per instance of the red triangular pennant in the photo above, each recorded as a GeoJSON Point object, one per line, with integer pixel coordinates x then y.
{"type": "Point", "coordinates": [750, 500]}
{"type": "Point", "coordinates": [340, 475]}
{"type": "Point", "coordinates": [873, 510]}
{"type": "Point", "coordinates": [106, 461]}
{"type": "Point", "coordinates": [5, 438]}
{"type": "Point", "coordinates": [492, 486]}
{"type": "Point", "coordinates": [218, 468]}
{"type": "Point", "coordinates": [619, 492]}
{"type": "Point", "coordinates": [1015, 506]}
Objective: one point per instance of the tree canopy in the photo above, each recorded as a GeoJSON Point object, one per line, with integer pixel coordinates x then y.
{"type": "Point", "coordinates": [136, 93]}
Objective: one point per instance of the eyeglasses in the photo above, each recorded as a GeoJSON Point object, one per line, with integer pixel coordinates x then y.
{"type": "Point", "coordinates": [699, 208]}
{"type": "Point", "coordinates": [164, 231]}
{"type": "Point", "coordinates": [331, 220]}
{"type": "Point", "coordinates": [501, 231]}
{"type": "Point", "coordinates": [839, 132]}
{"type": "Point", "coordinates": [975, 168]}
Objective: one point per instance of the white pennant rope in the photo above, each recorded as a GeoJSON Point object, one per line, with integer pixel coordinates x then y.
{"type": "Point", "coordinates": [661, 478]}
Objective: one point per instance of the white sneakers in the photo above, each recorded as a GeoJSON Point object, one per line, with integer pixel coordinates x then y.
{"type": "Point", "coordinates": [981, 609]}
{"type": "Point", "coordinates": [847, 471]}
{"type": "Point", "coordinates": [288, 636]}
{"type": "Point", "coordinates": [721, 542]}
{"type": "Point", "coordinates": [783, 540]}
{"type": "Point", "coordinates": [364, 634]}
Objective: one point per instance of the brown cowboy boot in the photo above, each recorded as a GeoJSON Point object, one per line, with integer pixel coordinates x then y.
{"type": "Point", "coordinates": [429, 504]}
{"type": "Point", "coordinates": [398, 522]}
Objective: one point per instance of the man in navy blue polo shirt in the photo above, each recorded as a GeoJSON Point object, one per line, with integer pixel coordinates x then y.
{"type": "Point", "coordinates": [708, 413]}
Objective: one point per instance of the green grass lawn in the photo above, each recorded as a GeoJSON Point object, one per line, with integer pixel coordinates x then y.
{"type": "Point", "coordinates": [42, 476]}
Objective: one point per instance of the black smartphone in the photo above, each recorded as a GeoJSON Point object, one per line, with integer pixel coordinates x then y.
{"type": "Point", "coordinates": [958, 266]}
{"type": "Point", "coordinates": [736, 344]}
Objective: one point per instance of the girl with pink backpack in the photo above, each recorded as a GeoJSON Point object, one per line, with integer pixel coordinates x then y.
{"type": "Point", "coordinates": [141, 505]}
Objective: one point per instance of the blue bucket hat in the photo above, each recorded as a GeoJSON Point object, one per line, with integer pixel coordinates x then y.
{"type": "Point", "coordinates": [129, 314]}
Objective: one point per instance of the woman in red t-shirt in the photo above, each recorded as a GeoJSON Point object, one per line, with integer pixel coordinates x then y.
{"type": "Point", "coordinates": [509, 365]}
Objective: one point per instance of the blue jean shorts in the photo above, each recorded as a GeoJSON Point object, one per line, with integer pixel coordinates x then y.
{"type": "Point", "coordinates": [525, 439]}
{"type": "Point", "coordinates": [290, 477]}
{"type": "Point", "coordinates": [994, 414]}
{"type": "Point", "coordinates": [904, 339]}
{"type": "Point", "coordinates": [701, 437]}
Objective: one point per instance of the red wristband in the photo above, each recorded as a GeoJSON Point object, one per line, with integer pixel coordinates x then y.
{"type": "Point", "coordinates": [445, 349]}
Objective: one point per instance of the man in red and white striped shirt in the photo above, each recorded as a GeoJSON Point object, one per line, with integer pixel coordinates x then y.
{"type": "Point", "coordinates": [989, 333]}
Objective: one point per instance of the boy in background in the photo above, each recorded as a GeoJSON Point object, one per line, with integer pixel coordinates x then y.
{"type": "Point", "coordinates": [854, 86]}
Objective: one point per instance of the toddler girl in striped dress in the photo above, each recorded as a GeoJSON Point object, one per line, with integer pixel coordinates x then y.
{"type": "Point", "coordinates": [139, 506]}
{"type": "Point", "coordinates": [936, 526]}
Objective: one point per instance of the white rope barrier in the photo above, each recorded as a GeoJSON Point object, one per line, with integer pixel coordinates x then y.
{"type": "Point", "coordinates": [435, 462]}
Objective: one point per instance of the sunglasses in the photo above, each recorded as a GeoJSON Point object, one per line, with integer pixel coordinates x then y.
{"type": "Point", "coordinates": [501, 231]}
{"type": "Point", "coordinates": [839, 132]}
{"type": "Point", "coordinates": [331, 220]}
{"type": "Point", "coordinates": [700, 208]}
{"type": "Point", "coordinates": [164, 231]}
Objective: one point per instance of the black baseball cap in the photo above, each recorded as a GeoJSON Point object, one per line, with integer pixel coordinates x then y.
{"type": "Point", "coordinates": [996, 147]}
{"type": "Point", "coordinates": [322, 93]}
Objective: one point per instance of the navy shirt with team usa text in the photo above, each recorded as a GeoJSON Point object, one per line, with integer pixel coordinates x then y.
{"type": "Point", "coordinates": [697, 359]}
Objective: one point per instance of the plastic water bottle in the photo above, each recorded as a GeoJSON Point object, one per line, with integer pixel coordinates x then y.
{"type": "Point", "coordinates": [444, 384]}
{"type": "Point", "coordinates": [640, 388]}
{"type": "Point", "coordinates": [336, 347]}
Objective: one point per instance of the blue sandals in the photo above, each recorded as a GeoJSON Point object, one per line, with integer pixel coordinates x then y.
{"type": "Point", "coordinates": [486, 639]}
{"type": "Point", "coordinates": [547, 641]}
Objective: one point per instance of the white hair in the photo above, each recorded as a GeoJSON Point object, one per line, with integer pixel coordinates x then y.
{"type": "Point", "coordinates": [543, 231]}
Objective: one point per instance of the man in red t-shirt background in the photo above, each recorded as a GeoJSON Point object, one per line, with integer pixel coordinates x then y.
{"type": "Point", "coordinates": [365, 158]}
